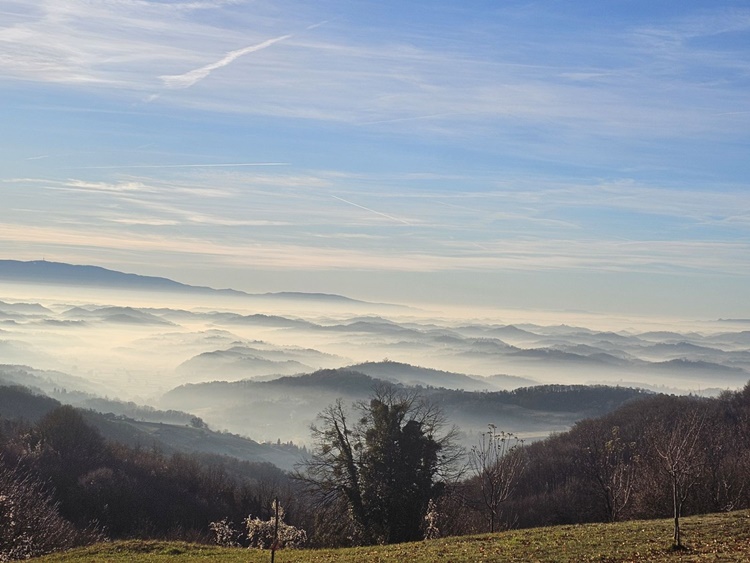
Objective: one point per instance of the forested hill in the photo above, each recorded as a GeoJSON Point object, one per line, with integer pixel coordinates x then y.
{"type": "Point", "coordinates": [64, 483]}
{"type": "Point", "coordinates": [597, 399]}
{"type": "Point", "coordinates": [593, 399]}
{"type": "Point", "coordinates": [169, 432]}
{"type": "Point", "coordinates": [297, 400]}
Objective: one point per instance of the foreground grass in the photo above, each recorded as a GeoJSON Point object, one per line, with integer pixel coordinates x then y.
{"type": "Point", "coordinates": [713, 537]}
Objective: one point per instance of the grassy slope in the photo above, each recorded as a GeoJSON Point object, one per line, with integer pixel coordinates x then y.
{"type": "Point", "coordinates": [714, 537]}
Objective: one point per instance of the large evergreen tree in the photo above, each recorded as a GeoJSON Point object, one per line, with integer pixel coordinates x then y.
{"type": "Point", "coordinates": [382, 469]}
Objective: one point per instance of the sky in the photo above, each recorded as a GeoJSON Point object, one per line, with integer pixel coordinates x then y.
{"type": "Point", "coordinates": [570, 156]}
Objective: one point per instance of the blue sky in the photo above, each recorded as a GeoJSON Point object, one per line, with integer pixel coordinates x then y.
{"type": "Point", "coordinates": [532, 154]}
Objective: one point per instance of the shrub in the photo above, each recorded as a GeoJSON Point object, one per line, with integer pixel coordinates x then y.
{"type": "Point", "coordinates": [225, 533]}
{"type": "Point", "coordinates": [260, 533]}
{"type": "Point", "coordinates": [30, 524]}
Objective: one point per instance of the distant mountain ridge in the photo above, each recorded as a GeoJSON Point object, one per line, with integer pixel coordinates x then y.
{"type": "Point", "coordinates": [45, 272]}
{"type": "Point", "coordinates": [42, 271]}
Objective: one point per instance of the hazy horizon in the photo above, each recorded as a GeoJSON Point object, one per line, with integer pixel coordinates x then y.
{"type": "Point", "coordinates": [82, 342]}
{"type": "Point", "coordinates": [519, 155]}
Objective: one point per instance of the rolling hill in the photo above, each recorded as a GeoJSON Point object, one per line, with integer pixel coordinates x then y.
{"type": "Point", "coordinates": [285, 407]}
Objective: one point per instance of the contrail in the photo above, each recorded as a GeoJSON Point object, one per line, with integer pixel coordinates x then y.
{"type": "Point", "coordinates": [316, 25]}
{"type": "Point", "coordinates": [372, 210]}
{"type": "Point", "coordinates": [401, 119]}
{"type": "Point", "coordinates": [177, 165]}
{"type": "Point", "coordinates": [189, 78]}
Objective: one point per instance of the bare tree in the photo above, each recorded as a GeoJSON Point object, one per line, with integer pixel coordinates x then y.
{"type": "Point", "coordinates": [679, 449]}
{"type": "Point", "coordinates": [611, 462]}
{"type": "Point", "coordinates": [331, 474]}
{"type": "Point", "coordinates": [727, 462]}
{"type": "Point", "coordinates": [498, 462]}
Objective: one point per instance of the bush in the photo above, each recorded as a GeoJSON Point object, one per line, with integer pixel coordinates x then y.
{"type": "Point", "coordinates": [260, 533]}
{"type": "Point", "coordinates": [225, 533]}
{"type": "Point", "coordinates": [30, 524]}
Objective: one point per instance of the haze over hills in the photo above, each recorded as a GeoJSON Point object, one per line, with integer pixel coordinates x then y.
{"type": "Point", "coordinates": [407, 374]}
{"type": "Point", "coordinates": [59, 273]}
{"type": "Point", "coordinates": [225, 220]}
{"type": "Point", "coordinates": [286, 407]}
{"type": "Point", "coordinates": [109, 340]}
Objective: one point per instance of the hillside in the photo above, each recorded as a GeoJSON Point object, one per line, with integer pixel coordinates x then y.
{"type": "Point", "coordinates": [566, 480]}
{"type": "Point", "coordinates": [297, 400]}
{"type": "Point", "coordinates": [134, 426]}
{"type": "Point", "coordinates": [407, 374]}
{"type": "Point", "coordinates": [714, 537]}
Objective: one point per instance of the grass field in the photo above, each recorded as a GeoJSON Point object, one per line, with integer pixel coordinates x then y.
{"type": "Point", "coordinates": [713, 537]}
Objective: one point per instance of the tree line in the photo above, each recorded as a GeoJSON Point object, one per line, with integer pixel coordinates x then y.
{"type": "Point", "coordinates": [62, 484]}
{"type": "Point", "coordinates": [661, 456]}
{"type": "Point", "coordinates": [384, 470]}
{"type": "Point", "coordinates": [657, 456]}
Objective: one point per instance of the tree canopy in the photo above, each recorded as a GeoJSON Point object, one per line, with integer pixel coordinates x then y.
{"type": "Point", "coordinates": [382, 468]}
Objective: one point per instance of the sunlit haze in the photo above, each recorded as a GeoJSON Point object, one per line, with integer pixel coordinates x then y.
{"type": "Point", "coordinates": [586, 157]}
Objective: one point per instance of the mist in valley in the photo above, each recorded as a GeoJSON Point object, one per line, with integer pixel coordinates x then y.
{"type": "Point", "coordinates": [243, 363]}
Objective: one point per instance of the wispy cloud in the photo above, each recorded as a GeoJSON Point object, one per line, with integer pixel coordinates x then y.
{"type": "Point", "coordinates": [508, 142]}
{"type": "Point", "coordinates": [485, 207]}
{"type": "Point", "coordinates": [189, 78]}
{"type": "Point", "coordinates": [277, 221]}
{"type": "Point", "coordinates": [391, 217]}
{"type": "Point", "coordinates": [119, 187]}
{"type": "Point", "coordinates": [651, 256]}
{"type": "Point", "coordinates": [156, 166]}
{"type": "Point", "coordinates": [376, 78]}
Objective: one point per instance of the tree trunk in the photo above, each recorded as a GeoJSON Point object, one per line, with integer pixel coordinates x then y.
{"type": "Point", "coordinates": [677, 538]}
